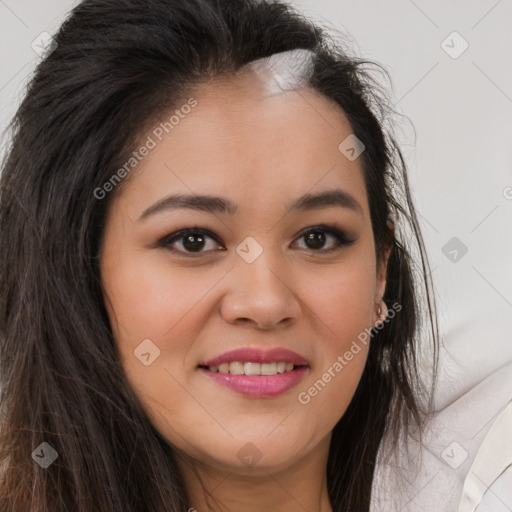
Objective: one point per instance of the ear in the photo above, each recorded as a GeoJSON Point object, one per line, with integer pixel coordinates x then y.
{"type": "Point", "coordinates": [381, 281]}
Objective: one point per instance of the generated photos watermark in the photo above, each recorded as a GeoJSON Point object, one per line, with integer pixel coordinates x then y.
{"type": "Point", "coordinates": [304, 397]}
{"type": "Point", "coordinates": [157, 135]}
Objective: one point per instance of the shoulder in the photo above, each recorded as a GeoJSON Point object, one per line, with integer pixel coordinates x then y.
{"type": "Point", "coordinates": [465, 461]}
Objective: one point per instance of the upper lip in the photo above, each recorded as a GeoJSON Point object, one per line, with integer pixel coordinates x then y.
{"type": "Point", "coordinates": [257, 355]}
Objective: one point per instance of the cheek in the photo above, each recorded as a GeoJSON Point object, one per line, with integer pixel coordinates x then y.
{"type": "Point", "coordinates": [151, 299]}
{"type": "Point", "coordinates": [342, 298]}
{"type": "Point", "coordinates": [343, 305]}
{"type": "Point", "coordinates": [154, 301]}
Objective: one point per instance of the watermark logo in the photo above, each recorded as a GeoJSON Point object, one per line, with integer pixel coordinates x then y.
{"type": "Point", "coordinates": [351, 147]}
{"type": "Point", "coordinates": [147, 352]}
{"type": "Point", "coordinates": [454, 249]}
{"type": "Point", "coordinates": [249, 454]}
{"type": "Point", "coordinates": [454, 455]}
{"type": "Point", "coordinates": [44, 44]}
{"type": "Point", "coordinates": [454, 45]}
{"type": "Point", "coordinates": [45, 455]}
{"type": "Point", "coordinates": [249, 250]}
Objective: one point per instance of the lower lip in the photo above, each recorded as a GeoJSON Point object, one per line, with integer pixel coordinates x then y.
{"type": "Point", "coordinates": [260, 386]}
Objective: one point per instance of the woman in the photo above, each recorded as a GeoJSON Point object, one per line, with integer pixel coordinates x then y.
{"type": "Point", "coordinates": [208, 298]}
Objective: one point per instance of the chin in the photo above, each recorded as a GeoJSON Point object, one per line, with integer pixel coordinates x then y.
{"type": "Point", "coordinates": [258, 457]}
{"type": "Point", "coordinates": [251, 461]}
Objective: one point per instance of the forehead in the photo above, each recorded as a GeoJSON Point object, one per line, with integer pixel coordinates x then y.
{"type": "Point", "coordinates": [240, 138]}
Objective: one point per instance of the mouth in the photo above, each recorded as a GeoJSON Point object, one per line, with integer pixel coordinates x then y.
{"type": "Point", "coordinates": [255, 372]}
{"type": "Point", "coordinates": [252, 368]}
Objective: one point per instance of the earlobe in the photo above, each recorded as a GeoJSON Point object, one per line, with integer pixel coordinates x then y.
{"type": "Point", "coordinates": [382, 313]}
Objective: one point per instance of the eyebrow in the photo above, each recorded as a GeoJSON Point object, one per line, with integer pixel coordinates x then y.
{"type": "Point", "coordinates": [214, 204]}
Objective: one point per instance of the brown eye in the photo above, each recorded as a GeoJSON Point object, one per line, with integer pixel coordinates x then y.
{"type": "Point", "coordinates": [315, 239]}
{"type": "Point", "coordinates": [188, 241]}
{"type": "Point", "coordinates": [194, 242]}
{"type": "Point", "coordinates": [317, 236]}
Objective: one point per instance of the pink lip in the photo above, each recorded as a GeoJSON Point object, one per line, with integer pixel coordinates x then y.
{"type": "Point", "coordinates": [259, 385]}
{"type": "Point", "coordinates": [256, 355]}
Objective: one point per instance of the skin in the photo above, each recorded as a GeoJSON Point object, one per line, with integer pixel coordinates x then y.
{"type": "Point", "coordinates": [262, 152]}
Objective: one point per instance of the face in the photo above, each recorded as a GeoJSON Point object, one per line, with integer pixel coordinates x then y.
{"type": "Point", "coordinates": [264, 275]}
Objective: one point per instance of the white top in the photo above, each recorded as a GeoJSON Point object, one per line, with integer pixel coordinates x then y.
{"type": "Point", "coordinates": [491, 472]}
{"type": "Point", "coordinates": [465, 463]}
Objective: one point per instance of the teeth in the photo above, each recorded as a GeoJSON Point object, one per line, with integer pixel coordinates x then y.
{"type": "Point", "coordinates": [236, 368]}
{"type": "Point", "coordinates": [249, 368]}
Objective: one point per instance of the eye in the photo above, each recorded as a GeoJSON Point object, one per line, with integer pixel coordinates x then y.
{"type": "Point", "coordinates": [192, 240]}
{"type": "Point", "coordinates": [316, 236]}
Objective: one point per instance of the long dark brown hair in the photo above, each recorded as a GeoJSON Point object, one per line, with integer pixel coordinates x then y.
{"type": "Point", "coordinates": [119, 64]}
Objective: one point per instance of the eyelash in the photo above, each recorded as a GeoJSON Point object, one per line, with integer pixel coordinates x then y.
{"type": "Point", "coordinates": [342, 240]}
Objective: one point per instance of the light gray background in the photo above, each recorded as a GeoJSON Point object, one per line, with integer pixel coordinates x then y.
{"type": "Point", "coordinates": [459, 161]}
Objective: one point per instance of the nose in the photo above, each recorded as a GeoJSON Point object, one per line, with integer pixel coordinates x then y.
{"type": "Point", "coordinates": [261, 295]}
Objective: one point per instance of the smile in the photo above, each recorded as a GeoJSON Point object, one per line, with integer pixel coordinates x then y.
{"type": "Point", "coordinates": [251, 368]}
{"type": "Point", "coordinates": [252, 371]}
